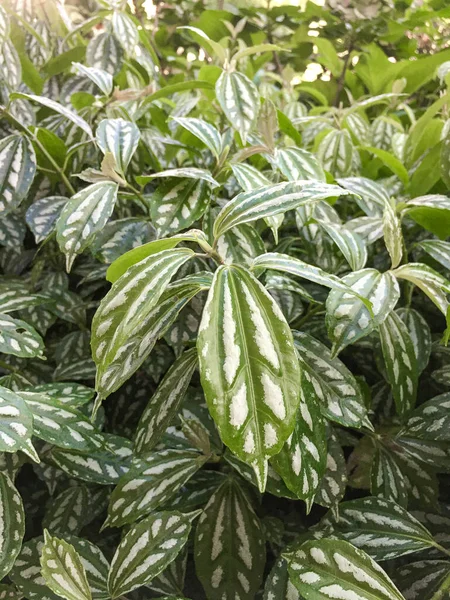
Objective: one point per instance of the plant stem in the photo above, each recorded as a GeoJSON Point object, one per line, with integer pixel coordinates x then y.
{"type": "Point", "coordinates": [441, 549]}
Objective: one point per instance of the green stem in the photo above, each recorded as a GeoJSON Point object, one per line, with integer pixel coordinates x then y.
{"type": "Point", "coordinates": [6, 366]}
{"type": "Point", "coordinates": [441, 549]}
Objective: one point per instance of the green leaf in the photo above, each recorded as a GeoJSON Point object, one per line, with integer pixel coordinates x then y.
{"type": "Point", "coordinates": [67, 512]}
{"type": "Point", "coordinates": [181, 173]}
{"type": "Point", "coordinates": [125, 31]}
{"type": "Point", "coordinates": [430, 420]}
{"type": "Point", "coordinates": [229, 561]}
{"type": "Point", "coordinates": [278, 585]}
{"type": "Point", "coordinates": [424, 580]}
{"type": "Point", "coordinates": [104, 52]}
{"type": "Point", "coordinates": [432, 283]}
{"type": "Point", "coordinates": [41, 216]}
{"type": "Point", "coordinates": [390, 161]}
{"type": "Point", "coordinates": [432, 212]}
{"type": "Point", "coordinates": [84, 215]}
{"type": "Point", "coordinates": [182, 86]}
{"type": "Point", "coordinates": [334, 483]}
{"type": "Point", "coordinates": [102, 79]}
{"type": "Point", "coordinates": [72, 394]}
{"type": "Point", "coordinates": [63, 570]}
{"type": "Point", "coordinates": [10, 66]}
{"type": "Point", "coordinates": [26, 572]}
{"type": "Point", "coordinates": [16, 424]}
{"type": "Point", "coordinates": [248, 367]}
{"type": "Point", "coordinates": [256, 50]}
{"type": "Point", "coordinates": [347, 318]}
{"type": "Point", "coordinates": [17, 170]}
{"type": "Point", "coordinates": [271, 200]}
{"type": "Point", "coordinates": [380, 527]}
{"type": "Point", "coordinates": [9, 592]}
{"type": "Point", "coordinates": [438, 250]}
{"type": "Point", "coordinates": [370, 196]}
{"type": "Point", "coordinates": [146, 550]}
{"type": "Point", "coordinates": [296, 163]}
{"type": "Point", "coordinates": [165, 402]}
{"type": "Point", "coordinates": [12, 523]}
{"type": "Point", "coordinates": [4, 25]}
{"type": "Point", "coordinates": [19, 338]}
{"type": "Point", "coordinates": [120, 138]}
{"type": "Point", "coordinates": [400, 360]}
{"type": "Point", "coordinates": [334, 385]}
{"type": "Point", "coordinates": [240, 245]}
{"type": "Point", "coordinates": [336, 153]}
{"type": "Point", "coordinates": [156, 478]}
{"type": "Point", "coordinates": [387, 478]}
{"type": "Point", "coordinates": [204, 131]}
{"type": "Point", "coordinates": [124, 322]}
{"type": "Point", "coordinates": [392, 233]}
{"type": "Point", "coordinates": [239, 100]}
{"type": "Point", "coordinates": [326, 569]}
{"type": "Point", "coordinates": [349, 243]}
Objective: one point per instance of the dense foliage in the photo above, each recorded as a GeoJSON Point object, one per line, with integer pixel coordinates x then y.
{"type": "Point", "coordinates": [225, 252]}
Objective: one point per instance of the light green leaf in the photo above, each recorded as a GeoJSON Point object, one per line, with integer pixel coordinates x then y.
{"type": "Point", "coordinates": [16, 424]}
{"type": "Point", "coordinates": [239, 100]}
{"type": "Point", "coordinates": [390, 161]}
{"type": "Point", "coordinates": [211, 46]}
{"type": "Point", "coordinates": [105, 52]}
{"type": "Point", "coordinates": [349, 243]}
{"type": "Point", "coordinates": [12, 522]}
{"type": "Point", "coordinates": [296, 163]}
{"type": "Point", "coordinates": [120, 138]}
{"type": "Point", "coordinates": [164, 403]}
{"type": "Point", "coordinates": [181, 173]}
{"type": "Point", "coordinates": [401, 363]}
{"type": "Point", "coordinates": [370, 196]}
{"type": "Point", "coordinates": [125, 31]}
{"type": "Point", "coordinates": [229, 561]}
{"type": "Point", "coordinates": [17, 170]}
{"type": "Point", "coordinates": [204, 131]}
{"type": "Point", "coordinates": [392, 233]}
{"type": "Point", "coordinates": [438, 250]}
{"type": "Point", "coordinates": [63, 570]}
{"type": "Point", "coordinates": [248, 367]}
{"type": "Point", "coordinates": [432, 283]}
{"type": "Point", "coordinates": [102, 79]}
{"type": "Point", "coordinates": [325, 569]}
{"type": "Point", "coordinates": [156, 478]}
{"type": "Point", "coordinates": [432, 212]}
{"type": "Point", "coordinates": [347, 318]}
{"type": "Point", "coordinates": [256, 50]}
{"type": "Point", "coordinates": [336, 153]}
{"type": "Point", "coordinates": [380, 527]}
{"type": "Point", "coordinates": [84, 215]}
{"type": "Point", "coordinates": [19, 338]}
{"type": "Point", "coordinates": [146, 550]}
{"type": "Point", "coordinates": [124, 323]}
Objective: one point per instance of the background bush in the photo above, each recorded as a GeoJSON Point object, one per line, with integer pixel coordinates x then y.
{"type": "Point", "coordinates": [224, 244]}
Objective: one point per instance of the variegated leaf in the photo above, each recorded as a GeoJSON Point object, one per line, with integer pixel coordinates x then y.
{"type": "Point", "coordinates": [240, 245]}
{"type": "Point", "coordinates": [229, 561]}
{"type": "Point", "coordinates": [334, 483]}
{"type": "Point", "coordinates": [4, 25]}
{"type": "Point", "coordinates": [334, 385]}
{"type": "Point", "coordinates": [72, 394]}
{"type": "Point", "coordinates": [380, 527]}
{"type": "Point", "coordinates": [424, 580]}
{"type": "Point", "coordinates": [67, 512]}
{"type": "Point", "coordinates": [438, 250]}
{"type": "Point", "coordinates": [181, 173]}
{"type": "Point", "coordinates": [248, 367]}
{"type": "Point", "coordinates": [392, 233]}
{"type": "Point", "coordinates": [19, 338]}
{"type": "Point", "coordinates": [431, 420]}
{"type": "Point", "coordinates": [10, 65]}
{"type": "Point", "coordinates": [15, 295]}
{"type": "Point", "coordinates": [156, 478]}
{"type": "Point", "coordinates": [336, 152]}
{"type": "Point", "coordinates": [348, 319]}
{"type": "Point", "coordinates": [104, 52]}
{"type": "Point", "coordinates": [278, 585]}
{"type": "Point", "coordinates": [400, 361]}
{"type": "Point", "coordinates": [41, 216]}
{"type": "Point", "coordinates": [83, 216]}
{"type": "Point", "coordinates": [369, 229]}
{"type": "Point", "coordinates": [146, 550]}
{"type": "Point", "coordinates": [16, 424]}
{"type": "Point", "coordinates": [17, 170]}
{"type": "Point", "coordinates": [95, 565]}
{"type": "Point", "coordinates": [26, 572]}
{"type": "Point", "coordinates": [177, 204]}
{"type": "Point", "coordinates": [12, 523]}
{"type": "Point", "coordinates": [302, 460]}
{"type": "Point", "coordinates": [297, 163]}
{"type": "Point", "coordinates": [10, 592]}
{"type": "Point", "coordinates": [239, 100]}
{"type": "Point", "coordinates": [271, 200]}
{"type": "Point", "coordinates": [120, 236]}
{"type": "Point", "coordinates": [370, 196]}
{"type": "Point", "coordinates": [349, 243]}
{"type": "Point", "coordinates": [204, 131]}
{"type": "Point", "coordinates": [63, 570]}
{"type": "Point", "coordinates": [120, 138]}
{"type": "Point", "coordinates": [328, 569]}
{"type": "Point", "coordinates": [102, 79]}
{"type": "Point", "coordinates": [128, 322]}
{"type": "Point", "coordinates": [12, 231]}
{"type": "Point", "coordinates": [59, 424]}
{"type": "Point", "coordinates": [432, 283]}
{"type": "Point", "coordinates": [420, 334]}
{"type": "Point", "coordinates": [164, 403]}
{"type": "Point", "coordinates": [387, 479]}
{"type": "Point", "coordinates": [125, 31]}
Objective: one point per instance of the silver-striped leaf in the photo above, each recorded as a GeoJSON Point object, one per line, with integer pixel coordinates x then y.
{"type": "Point", "coordinates": [347, 318]}
{"type": "Point", "coordinates": [128, 320]}
{"type": "Point", "coordinates": [67, 512]}
{"type": "Point", "coordinates": [380, 527]}
{"type": "Point", "coordinates": [12, 524]}
{"type": "Point", "coordinates": [4, 25]}
{"type": "Point", "coordinates": [10, 65]}
{"type": "Point", "coordinates": [400, 361]}
{"type": "Point", "coordinates": [297, 163]}
{"type": "Point", "coordinates": [146, 550]}
{"type": "Point", "coordinates": [72, 394]}
{"type": "Point", "coordinates": [271, 200]}
{"type": "Point", "coordinates": [239, 100]}
{"type": "Point", "coordinates": [177, 204]}
{"type": "Point", "coordinates": [370, 196]}
{"type": "Point", "coordinates": [102, 79]}
{"type": "Point", "coordinates": [336, 152]}
{"type": "Point", "coordinates": [156, 478]}
{"type": "Point", "coordinates": [392, 233]}
{"type": "Point", "coordinates": [41, 216]}
{"type": "Point", "coordinates": [420, 334]}
{"type": "Point", "coordinates": [349, 243]}
{"type": "Point", "coordinates": [125, 31]}
{"type": "Point", "coordinates": [438, 250]}
{"type": "Point", "coordinates": [432, 283]}
{"type": "Point", "coordinates": [164, 403]}
{"type": "Point", "coordinates": [182, 173]}
{"type": "Point", "coordinates": [85, 214]}
{"type": "Point", "coordinates": [17, 170]}
{"type": "Point", "coordinates": [120, 236]}
{"type": "Point", "coordinates": [105, 52]}
{"type": "Point", "coordinates": [387, 479]}
{"type": "Point", "coordinates": [229, 560]}
{"type": "Point", "coordinates": [368, 228]}
{"type": "Point", "coordinates": [248, 367]}
{"type": "Point", "coordinates": [204, 131]}
{"type": "Point", "coordinates": [95, 565]}
{"type": "Point", "coordinates": [334, 385]}
{"type": "Point", "coordinates": [19, 338]}
{"type": "Point", "coordinates": [424, 580]}
{"type": "Point", "coordinates": [278, 585]}
{"type": "Point", "coordinates": [431, 420]}
{"type": "Point", "coordinates": [16, 424]}
{"type": "Point", "coordinates": [120, 138]}
{"type": "Point", "coordinates": [12, 231]}
{"type": "Point", "coordinates": [329, 569]}
{"type": "Point", "coordinates": [10, 592]}
{"type": "Point", "coordinates": [240, 245]}
{"type": "Point", "coordinates": [63, 570]}
{"type": "Point", "coordinates": [334, 483]}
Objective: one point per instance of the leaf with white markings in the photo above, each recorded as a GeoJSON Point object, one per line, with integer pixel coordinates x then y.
{"type": "Point", "coordinates": [67, 512]}
{"type": "Point", "coordinates": [104, 52]}
{"type": "Point", "coordinates": [165, 402]}
{"type": "Point", "coordinates": [181, 173]}
{"type": "Point", "coordinates": [387, 479]}
{"type": "Point", "coordinates": [431, 420]}
{"type": "Point", "coordinates": [239, 100]}
{"type": "Point", "coordinates": [12, 231]}
{"type": "Point", "coordinates": [336, 152]}
{"type": "Point", "coordinates": [146, 550]}
{"type": "Point", "coordinates": [12, 523]}
{"type": "Point", "coordinates": [240, 245]}
{"type": "Point", "coordinates": [85, 214]}
{"type": "Point", "coordinates": [380, 527]}
{"type": "Point", "coordinates": [95, 565]}
{"type": "Point", "coordinates": [19, 338]}
{"type": "Point", "coordinates": [248, 367]}
{"type": "Point", "coordinates": [72, 394]}
{"type": "Point", "coordinates": [370, 195]}
{"type": "Point", "coordinates": [369, 229]}
{"type": "Point", "coordinates": [420, 334]}
{"type": "Point", "coordinates": [392, 233]}
{"type": "Point", "coordinates": [41, 216]}
{"type": "Point", "coordinates": [26, 572]}
{"type": "Point", "coordinates": [16, 424]}
{"type": "Point", "coordinates": [438, 250]}
{"type": "Point", "coordinates": [128, 319]}
{"type": "Point", "coordinates": [432, 283]}
{"type": "Point", "coordinates": [271, 200]}
{"type": "Point", "coordinates": [348, 319]}
{"type": "Point", "coordinates": [204, 131]}
{"type": "Point", "coordinates": [229, 561]}
{"type": "Point", "coordinates": [157, 478]}
{"type": "Point", "coordinates": [424, 580]}
{"type": "Point", "coordinates": [297, 163]}
{"type": "Point", "coordinates": [63, 570]}
{"type": "Point", "coordinates": [9, 592]}
{"type": "Point", "coordinates": [334, 385]}
{"type": "Point", "coordinates": [17, 170]}
{"type": "Point", "coordinates": [4, 25]}
{"type": "Point", "coordinates": [349, 243]}
{"type": "Point", "coordinates": [125, 31]}
{"type": "Point", "coordinates": [278, 585]}
{"type": "Point", "coordinates": [120, 138]}
{"type": "Point", "coordinates": [102, 79]}
{"type": "Point", "coordinates": [327, 569]}
{"type": "Point", "coordinates": [334, 483]}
